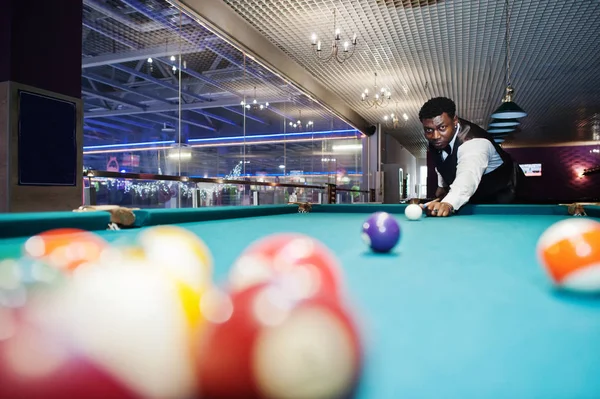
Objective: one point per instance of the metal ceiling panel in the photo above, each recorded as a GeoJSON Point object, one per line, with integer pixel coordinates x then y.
{"type": "Point", "coordinates": [454, 48]}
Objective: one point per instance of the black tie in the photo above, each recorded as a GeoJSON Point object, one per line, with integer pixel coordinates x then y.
{"type": "Point", "coordinates": [448, 149]}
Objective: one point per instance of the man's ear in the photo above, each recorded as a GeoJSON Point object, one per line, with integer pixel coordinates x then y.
{"type": "Point", "coordinates": [455, 120]}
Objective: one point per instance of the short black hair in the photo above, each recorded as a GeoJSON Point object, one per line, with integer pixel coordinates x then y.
{"type": "Point", "coordinates": [437, 106]}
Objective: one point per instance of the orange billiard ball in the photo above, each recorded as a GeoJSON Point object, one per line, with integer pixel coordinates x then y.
{"type": "Point", "coordinates": [66, 248]}
{"type": "Point", "coordinates": [569, 251]}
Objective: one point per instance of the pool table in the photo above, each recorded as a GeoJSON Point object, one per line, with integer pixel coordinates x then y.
{"type": "Point", "coordinates": [459, 309]}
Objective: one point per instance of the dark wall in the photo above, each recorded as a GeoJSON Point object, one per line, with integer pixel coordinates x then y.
{"type": "Point", "coordinates": [561, 169]}
{"type": "Point", "coordinates": [40, 44]}
{"type": "Point", "coordinates": [5, 39]}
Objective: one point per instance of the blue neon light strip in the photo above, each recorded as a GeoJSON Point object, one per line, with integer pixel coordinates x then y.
{"type": "Point", "coordinates": [226, 139]}
{"type": "Point", "coordinates": [149, 143]}
{"type": "Point", "coordinates": [272, 136]}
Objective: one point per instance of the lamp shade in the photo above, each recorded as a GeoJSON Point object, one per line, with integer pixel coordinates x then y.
{"type": "Point", "coordinates": [496, 130]}
{"type": "Point", "coordinates": [504, 122]}
{"type": "Point", "coordinates": [508, 110]}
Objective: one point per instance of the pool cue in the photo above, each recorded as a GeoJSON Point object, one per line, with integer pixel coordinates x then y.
{"type": "Point", "coordinates": [427, 203]}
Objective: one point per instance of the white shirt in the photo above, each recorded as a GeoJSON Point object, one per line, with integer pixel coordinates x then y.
{"type": "Point", "coordinates": [476, 157]}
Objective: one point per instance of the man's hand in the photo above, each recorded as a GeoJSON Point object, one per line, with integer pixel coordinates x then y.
{"type": "Point", "coordinates": [441, 192]}
{"type": "Point", "coordinates": [437, 208]}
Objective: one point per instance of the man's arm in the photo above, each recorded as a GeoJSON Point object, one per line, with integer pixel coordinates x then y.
{"type": "Point", "coordinates": [473, 159]}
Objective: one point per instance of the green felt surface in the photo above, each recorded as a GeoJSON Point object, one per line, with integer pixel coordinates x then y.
{"type": "Point", "coordinates": [460, 309]}
{"type": "Point", "coordinates": [510, 209]}
{"type": "Point", "coordinates": [168, 216]}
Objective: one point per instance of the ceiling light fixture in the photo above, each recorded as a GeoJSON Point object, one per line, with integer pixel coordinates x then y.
{"type": "Point", "coordinates": [504, 123]}
{"type": "Point", "coordinates": [393, 119]}
{"type": "Point", "coordinates": [508, 109]}
{"type": "Point", "coordinates": [380, 99]}
{"type": "Point", "coordinates": [348, 46]}
{"type": "Point", "coordinates": [298, 124]}
{"type": "Point", "coordinates": [254, 105]}
{"type": "Point", "coordinates": [496, 130]}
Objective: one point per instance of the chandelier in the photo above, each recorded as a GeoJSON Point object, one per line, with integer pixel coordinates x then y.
{"type": "Point", "coordinates": [380, 99]}
{"type": "Point", "coordinates": [254, 105]}
{"type": "Point", "coordinates": [393, 119]}
{"type": "Point", "coordinates": [298, 124]}
{"type": "Point", "coordinates": [347, 50]}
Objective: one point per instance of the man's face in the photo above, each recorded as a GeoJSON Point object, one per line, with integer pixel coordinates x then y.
{"type": "Point", "coordinates": [440, 130]}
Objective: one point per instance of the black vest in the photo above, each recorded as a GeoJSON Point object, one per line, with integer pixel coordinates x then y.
{"type": "Point", "coordinates": [499, 186]}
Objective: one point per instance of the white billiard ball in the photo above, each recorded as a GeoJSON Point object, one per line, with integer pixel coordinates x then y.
{"type": "Point", "coordinates": [413, 212]}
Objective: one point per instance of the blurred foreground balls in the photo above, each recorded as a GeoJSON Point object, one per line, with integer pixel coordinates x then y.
{"type": "Point", "coordinates": [143, 319]}
{"type": "Point", "coordinates": [276, 346]}
{"type": "Point", "coordinates": [127, 318]}
{"type": "Point", "coordinates": [183, 254]}
{"type": "Point", "coordinates": [301, 262]}
{"type": "Point", "coordinates": [35, 363]}
{"type": "Point", "coordinates": [66, 249]}
{"type": "Point", "coordinates": [132, 312]}
{"type": "Point", "coordinates": [185, 259]}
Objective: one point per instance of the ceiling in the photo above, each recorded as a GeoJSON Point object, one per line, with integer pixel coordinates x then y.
{"type": "Point", "coordinates": [128, 99]}
{"type": "Point", "coordinates": [454, 48]}
{"type": "Point", "coordinates": [120, 83]}
{"type": "Point", "coordinates": [419, 49]}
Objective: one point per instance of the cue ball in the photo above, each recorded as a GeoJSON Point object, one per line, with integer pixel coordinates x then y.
{"type": "Point", "coordinates": [381, 232]}
{"type": "Point", "coordinates": [569, 251]}
{"type": "Point", "coordinates": [413, 212]}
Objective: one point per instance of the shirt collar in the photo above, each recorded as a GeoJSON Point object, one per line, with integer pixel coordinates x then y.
{"type": "Point", "coordinates": [451, 144]}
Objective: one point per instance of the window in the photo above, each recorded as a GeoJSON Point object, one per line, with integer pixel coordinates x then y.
{"type": "Point", "coordinates": [422, 182]}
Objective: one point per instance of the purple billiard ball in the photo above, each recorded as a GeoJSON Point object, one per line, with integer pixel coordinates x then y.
{"type": "Point", "coordinates": [381, 232]}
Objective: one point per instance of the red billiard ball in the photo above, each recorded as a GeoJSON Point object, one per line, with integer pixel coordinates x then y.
{"type": "Point", "coordinates": [305, 265]}
{"type": "Point", "coordinates": [270, 345]}
{"type": "Point", "coordinates": [569, 251]}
